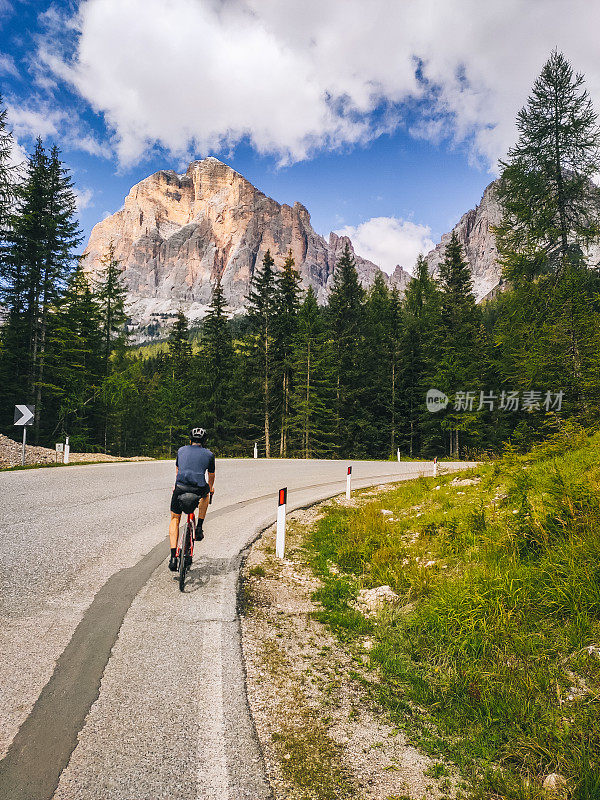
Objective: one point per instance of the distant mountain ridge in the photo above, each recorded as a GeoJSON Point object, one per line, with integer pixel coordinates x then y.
{"type": "Point", "coordinates": [474, 232]}
{"type": "Point", "coordinates": [177, 232]}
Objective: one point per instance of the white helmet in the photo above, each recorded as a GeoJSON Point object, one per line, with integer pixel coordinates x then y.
{"type": "Point", "coordinates": [198, 435]}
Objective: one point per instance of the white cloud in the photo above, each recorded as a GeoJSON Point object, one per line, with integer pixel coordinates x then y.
{"type": "Point", "coordinates": [196, 75]}
{"type": "Point", "coordinates": [18, 155]}
{"type": "Point", "coordinates": [388, 241]}
{"type": "Point", "coordinates": [90, 145]}
{"type": "Point", "coordinates": [45, 120]}
{"type": "Point", "coordinates": [30, 123]}
{"type": "Point", "coordinates": [83, 198]}
{"type": "Point", "coordinates": [8, 66]}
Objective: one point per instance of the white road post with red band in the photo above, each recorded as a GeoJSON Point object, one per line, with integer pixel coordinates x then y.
{"type": "Point", "coordinates": [348, 483]}
{"type": "Point", "coordinates": [280, 540]}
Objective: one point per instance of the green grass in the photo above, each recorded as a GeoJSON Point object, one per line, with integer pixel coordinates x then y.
{"type": "Point", "coordinates": [499, 587]}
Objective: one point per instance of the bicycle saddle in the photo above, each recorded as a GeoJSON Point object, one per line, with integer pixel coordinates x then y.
{"type": "Point", "coordinates": [188, 502]}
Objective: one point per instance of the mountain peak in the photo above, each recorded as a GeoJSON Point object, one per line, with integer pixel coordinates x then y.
{"type": "Point", "coordinates": [176, 233]}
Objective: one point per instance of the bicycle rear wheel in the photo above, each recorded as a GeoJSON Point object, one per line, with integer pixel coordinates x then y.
{"type": "Point", "coordinates": [183, 553]}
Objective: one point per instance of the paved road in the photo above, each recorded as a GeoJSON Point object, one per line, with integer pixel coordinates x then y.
{"type": "Point", "coordinates": [114, 684]}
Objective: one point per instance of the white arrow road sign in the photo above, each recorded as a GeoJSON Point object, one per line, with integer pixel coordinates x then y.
{"type": "Point", "coordinates": [24, 415]}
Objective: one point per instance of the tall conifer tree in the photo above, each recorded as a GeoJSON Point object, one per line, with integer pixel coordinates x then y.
{"type": "Point", "coordinates": [261, 311]}
{"type": "Point", "coordinates": [313, 393]}
{"type": "Point", "coordinates": [421, 313]}
{"type": "Point", "coordinates": [285, 322]}
{"type": "Point", "coordinates": [454, 346]}
{"type": "Point", "coordinates": [112, 296]}
{"type": "Point", "coordinates": [379, 391]}
{"type": "Point", "coordinates": [346, 315]}
{"type": "Point", "coordinates": [74, 361]}
{"type": "Point", "coordinates": [550, 217]}
{"type": "Point", "coordinates": [216, 366]}
{"type": "Point", "coordinates": [39, 256]}
{"type": "Point", "coordinates": [550, 205]}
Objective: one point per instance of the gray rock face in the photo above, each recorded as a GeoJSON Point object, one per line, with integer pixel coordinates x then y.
{"type": "Point", "coordinates": [479, 245]}
{"type": "Point", "coordinates": [176, 233]}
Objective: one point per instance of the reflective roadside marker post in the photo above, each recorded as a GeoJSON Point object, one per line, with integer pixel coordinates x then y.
{"type": "Point", "coordinates": [280, 540]}
{"type": "Point", "coordinates": [348, 483]}
{"type": "Point", "coordinates": [398, 454]}
{"type": "Point", "coordinates": [24, 415]}
{"type": "Point", "coordinates": [435, 467]}
{"type": "Point", "coordinates": [67, 451]}
{"type": "Point", "coordinates": [255, 450]}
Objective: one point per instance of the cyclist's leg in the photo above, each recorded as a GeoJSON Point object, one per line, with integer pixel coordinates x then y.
{"type": "Point", "coordinates": [174, 529]}
{"type": "Point", "coordinates": [201, 514]}
{"type": "Point", "coordinates": [203, 507]}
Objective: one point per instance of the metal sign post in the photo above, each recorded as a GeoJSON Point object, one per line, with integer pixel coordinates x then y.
{"type": "Point", "coordinates": [24, 415]}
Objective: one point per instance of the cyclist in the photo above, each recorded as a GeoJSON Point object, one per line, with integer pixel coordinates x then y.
{"type": "Point", "coordinates": [193, 461]}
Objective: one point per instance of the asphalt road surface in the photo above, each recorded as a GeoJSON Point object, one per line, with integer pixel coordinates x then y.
{"type": "Point", "coordinates": [113, 683]}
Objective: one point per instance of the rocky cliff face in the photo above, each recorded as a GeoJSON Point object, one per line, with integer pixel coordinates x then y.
{"type": "Point", "coordinates": [176, 233]}
{"type": "Point", "coordinates": [479, 244]}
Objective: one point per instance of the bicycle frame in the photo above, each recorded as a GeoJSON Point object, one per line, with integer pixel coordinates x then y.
{"type": "Point", "coordinates": [191, 521]}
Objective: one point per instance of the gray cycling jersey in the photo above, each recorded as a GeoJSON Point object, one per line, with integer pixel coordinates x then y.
{"type": "Point", "coordinates": [194, 461]}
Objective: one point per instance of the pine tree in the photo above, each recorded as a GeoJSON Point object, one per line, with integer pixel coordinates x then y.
{"type": "Point", "coordinates": [550, 217]}
{"type": "Point", "coordinates": [112, 295]}
{"type": "Point", "coordinates": [39, 257]}
{"type": "Point", "coordinates": [421, 311]}
{"type": "Point", "coordinates": [312, 400]}
{"type": "Point", "coordinates": [379, 394]}
{"type": "Point", "coordinates": [74, 362]}
{"type": "Point", "coordinates": [7, 174]}
{"type": "Point", "coordinates": [261, 310]}
{"type": "Point", "coordinates": [550, 205]}
{"type": "Point", "coordinates": [454, 345]}
{"type": "Point", "coordinates": [180, 348]}
{"type": "Point", "coordinates": [346, 315]}
{"type": "Point", "coordinates": [216, 366]}
{"type": "Point", "coordinates": [285, 321]}
{"type": "Point", "coordinates": [396, 329]}
{"type": "Point", "coordinates": [22, 266]}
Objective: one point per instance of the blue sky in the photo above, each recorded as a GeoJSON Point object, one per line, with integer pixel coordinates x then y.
{"type": "Point", "coordinates": [386, 126]}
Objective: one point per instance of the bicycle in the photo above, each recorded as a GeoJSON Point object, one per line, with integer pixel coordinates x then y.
{"type": "Point", "coordinates": [185, 542]}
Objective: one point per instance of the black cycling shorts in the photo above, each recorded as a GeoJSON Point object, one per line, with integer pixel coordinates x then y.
{"type": "Point", "coordinates": [182, 489]}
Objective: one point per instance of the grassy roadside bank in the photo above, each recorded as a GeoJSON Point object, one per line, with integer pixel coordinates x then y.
{"type": "Point", "coordinates": [490, 657]}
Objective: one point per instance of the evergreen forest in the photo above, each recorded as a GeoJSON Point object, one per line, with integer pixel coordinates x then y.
{"type": "Point", "coordinates": [348, 379]}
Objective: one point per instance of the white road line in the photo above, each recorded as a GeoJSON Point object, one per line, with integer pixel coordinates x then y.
{"type": "Point", "coordinates": [213, 781]}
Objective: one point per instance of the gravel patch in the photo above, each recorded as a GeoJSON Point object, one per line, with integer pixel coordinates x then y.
{"type": "Point", "coordinates": [306, 701]}
{"type": "Point", "coordinates": [10, 455]}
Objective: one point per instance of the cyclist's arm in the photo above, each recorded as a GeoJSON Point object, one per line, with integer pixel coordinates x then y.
{"type": "Point", "coordinates": [211, 474]}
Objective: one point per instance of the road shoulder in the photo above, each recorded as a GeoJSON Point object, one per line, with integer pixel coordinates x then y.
{"type": "Point", "coordinates": [320, 733]}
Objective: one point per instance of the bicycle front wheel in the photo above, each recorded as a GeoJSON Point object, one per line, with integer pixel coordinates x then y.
{"type": "Point", "coordinates": [183, 555]}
